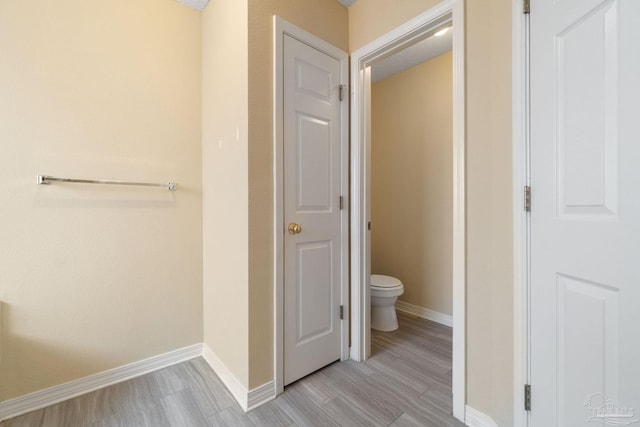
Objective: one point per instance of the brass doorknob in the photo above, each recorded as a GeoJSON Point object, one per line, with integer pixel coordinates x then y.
{"type": "Point", "coordinates": [294, 228]}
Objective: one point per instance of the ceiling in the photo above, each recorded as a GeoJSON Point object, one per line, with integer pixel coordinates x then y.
{"type": "Point", "coordinates": [201, 4]}
{"type": "Point", "coordinates": [196, 4]}
{"type": "Point", "coordinates": [413, 55]}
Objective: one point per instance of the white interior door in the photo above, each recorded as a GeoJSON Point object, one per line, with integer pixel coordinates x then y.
{"type": "Point", "coordinates": [585, 217]}
{"type": "Point", "coordinates": [312, 209]}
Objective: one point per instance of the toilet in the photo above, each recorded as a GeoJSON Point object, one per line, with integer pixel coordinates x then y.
{"type": "Point", "coordinates": [385, 290]}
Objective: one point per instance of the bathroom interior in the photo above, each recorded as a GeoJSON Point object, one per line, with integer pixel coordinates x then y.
{"type": "Point", "coordinates": [412, 183]}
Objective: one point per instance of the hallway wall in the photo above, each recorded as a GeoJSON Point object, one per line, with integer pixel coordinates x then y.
{"type": "Point", "coordinates": [95, 277]}
{"type": "Point", "coordinates": [225, 192]}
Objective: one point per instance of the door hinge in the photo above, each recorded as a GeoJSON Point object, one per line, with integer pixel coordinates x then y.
{"type": "Point", "coordinates": [369, 225]}
{"type": "Point", "coordinates": [341, 89]}
{"type": "Point", "coordinates": [526, 7]}
{"type": "Point", "coordinates": [341, 312]}
{"type": "Point", "coordinates": [527, 198]}
{"type": "Point", "coordinates": [341, 202]}
{"type": "Point", "coordinates": [527, 397]}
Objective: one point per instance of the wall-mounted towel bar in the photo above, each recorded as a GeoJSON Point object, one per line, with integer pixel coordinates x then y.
{"type": "Point", "coordinates": [45, 179]}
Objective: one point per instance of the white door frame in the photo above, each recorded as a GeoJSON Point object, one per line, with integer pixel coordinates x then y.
{"type": "Point", "coordinates": [280, 28]}
{"type": "Point", "coordinates": [395, 40]}
{"type": "Point", "coordinates": [521, 219]}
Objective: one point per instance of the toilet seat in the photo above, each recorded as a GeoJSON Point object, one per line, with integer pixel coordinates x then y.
{"type": "Point", "coordinates": [382, 281]}
{"type": "Point", "coordinates": [385, 286]}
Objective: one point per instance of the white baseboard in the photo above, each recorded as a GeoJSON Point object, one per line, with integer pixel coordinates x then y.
{"type": "Point", "coordinates": [233, 384]}
{"type": "Point", "coordinates": [475, 418]}
{"type": "Point", "coordinates": [247, 399]}
{"type": "Point", "coordinates": [425, 313]}
{"type": "Point", "coordinates": [261, 395]}
{"type": "Point", "coordinates": [50, 396]}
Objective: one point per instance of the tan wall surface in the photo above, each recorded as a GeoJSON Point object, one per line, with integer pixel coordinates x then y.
{"type": "Point", "coordinates": [489, 207]}
{"type": "Point", "coordinates": [94, 277]}
{"type": "Point", "coordinates": [489, 227]}
{"type": "Point", "coordinates": [225, 188]}
{"type": "Point", "coordinates": [328, 20]}
{"type": "Point", "coordinates": [370, 19]}
{"type": "Point", "coordinates": [412, 181]}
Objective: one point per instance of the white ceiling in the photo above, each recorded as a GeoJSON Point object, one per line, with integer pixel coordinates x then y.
{"type": "Point", "coordinates": [201, 4]}
{"type": "Point", "coordinates": [413, 55]}
{"type": "Point", "coordinates": [196, 4]}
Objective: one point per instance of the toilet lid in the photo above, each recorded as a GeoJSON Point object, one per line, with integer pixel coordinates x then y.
{"type": "Point", "coordinates": [382, 281]}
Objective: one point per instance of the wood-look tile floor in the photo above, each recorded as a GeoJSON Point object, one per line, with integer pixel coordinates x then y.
{"type": "Point", "coordinates": [406, 382]}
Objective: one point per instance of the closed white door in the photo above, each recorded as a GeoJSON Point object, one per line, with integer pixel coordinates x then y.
{"type": "Point", "coordinates": [585, 213]}
{"type": "Point", "coordinates": [312, 209]}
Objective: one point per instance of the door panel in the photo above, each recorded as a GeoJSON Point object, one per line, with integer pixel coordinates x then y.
{"type": "Point", "coordinates": [312, 182]}
{"type": "Point", "coordinates": [314, 165]}
{"type": "Point", "coordinates": [315, 300]}
{"type": "Point", "coordinates": [585, 217]}
{"type": "Point", "coordinates": [586, 94]}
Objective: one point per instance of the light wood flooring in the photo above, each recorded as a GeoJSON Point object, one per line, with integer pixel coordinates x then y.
{"type": "Point", "coordinates": [406, 382]}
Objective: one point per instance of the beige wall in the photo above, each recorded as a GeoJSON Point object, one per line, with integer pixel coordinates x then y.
{"type": "Point", "coordinates": [225, 183]}
{"type": "Point", "coordinates": [489, 207]}
{"type": "Point", "coordinates": [412, 181]}
{"type": "Point", "coordinates": [489, 228]}
{"type": "Point", "coordinates": [94, 277]}
{"type": "Point", "coordinates": [370, 19]}
{"type": "Point", "coordinates": [328, 20]}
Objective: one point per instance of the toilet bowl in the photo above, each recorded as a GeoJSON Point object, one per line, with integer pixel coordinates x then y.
{"type": "Point", "coordinates": [385, 290]}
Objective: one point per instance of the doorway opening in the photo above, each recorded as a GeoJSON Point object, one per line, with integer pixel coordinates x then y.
{"type": "Point", "coordinates": [446, 14]}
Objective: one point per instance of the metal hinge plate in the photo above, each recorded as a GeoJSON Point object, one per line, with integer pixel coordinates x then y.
{"type": "Point", "coordinates": [527, 397]}
{"type": "Point", "coordinates": [341, 312]}
{"type": "Point", "coordinates": [527, 198]}
{"type": "Point", "coordinates": [526, 7]}
{"type": "Point", "coordinates": [341, 202]}
{"type": "Point", "coordinates": [341, 90]}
